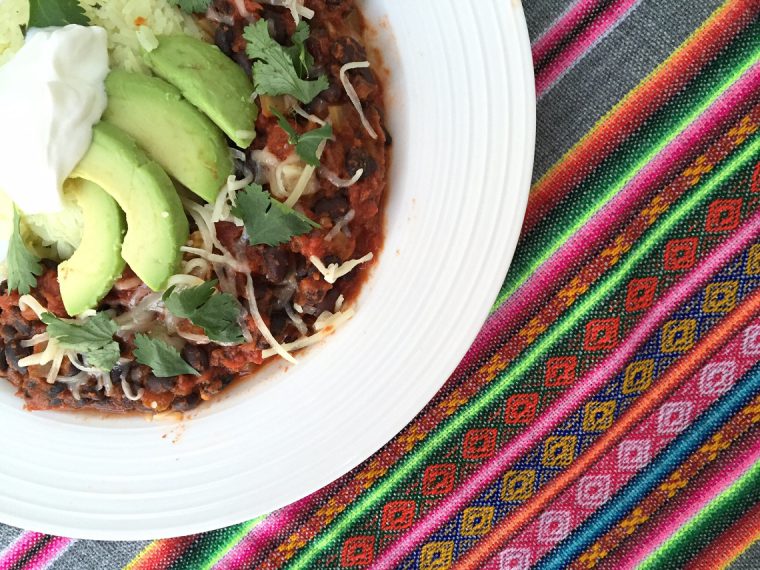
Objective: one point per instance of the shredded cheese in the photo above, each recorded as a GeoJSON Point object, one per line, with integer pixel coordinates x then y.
{"type": "Point", "coordinates": [351, 92]}
{"type": "Point", "coordinates": [328, 327]}
{"type": "Point", "coordinates": [296, 319]}
{"type": "Point", "coordinates": [263, 329]}
{"type": "Point", "coordinates": [302, 112]}
{"type": "Point", "coordinates": [27, 301]}
{"type": "Point", "coordinates": [338, 182]}
{"type": "Point", "coordinates": [127, 389]}
{"type": "Point", "coordinates": [333, 272]}
{"type": "Point", "coordinates": [306, 175]}
{"type": "Point", "coordinates": [35, 340]}
{"type": "Point", "coordinates": [296, 7]}
{"type": "Point", "coordinates": [340, 224]}
{"type": "Point", "coordinates": [228, 260]}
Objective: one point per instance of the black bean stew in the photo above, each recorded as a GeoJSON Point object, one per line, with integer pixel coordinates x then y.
{"type": "Point", "coordinates": [283, 276]}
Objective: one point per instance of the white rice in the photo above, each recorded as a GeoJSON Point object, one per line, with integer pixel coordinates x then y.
{"type": "Point", "coordinates": [120, 18]}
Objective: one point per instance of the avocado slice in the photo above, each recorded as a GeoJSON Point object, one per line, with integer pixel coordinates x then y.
{"type": "Point", "coordinates": [91, 271]}
{"type": "Point", "coordinates": [156, 223]}
{"type": "Point", "coordinates": [173, 133]}
{"type": "Point", "coordinates": [209, 80]}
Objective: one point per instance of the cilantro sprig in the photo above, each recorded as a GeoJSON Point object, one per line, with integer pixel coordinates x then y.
{"type": "Point", "coordinates": [44, 13]}
{"type": "Point", "coordinates": [302, 59]}
{"type": "Point", "coordinates": [192, 6]}
{"type": "Point", "coordinates": [274, 71]}
{"type": "Point", "coordinates": [161, 357]}
{"type": "Point", "coordinates": [92, 337]}
{"type": "Point", "coordinates": [307, 143]}
{"type": "Point", "coordinates": [268, 221]}
{"type": "Point", "coordinates": [23, 266]}
{"type": "Point", "coordinates": [216, 313]}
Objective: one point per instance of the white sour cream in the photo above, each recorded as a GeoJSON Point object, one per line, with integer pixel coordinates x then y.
{"type": "Point", "coordinates": [51, 94]}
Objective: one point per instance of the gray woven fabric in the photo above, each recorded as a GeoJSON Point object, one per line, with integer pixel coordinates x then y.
{"type": "Point", "coordinates": [619, 62]}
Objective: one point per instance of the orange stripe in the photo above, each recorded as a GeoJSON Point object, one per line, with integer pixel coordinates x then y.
{"type": "Point", "coordinates": [636, 107]}
{"type": "Point", "coordinates": [674, 377]}
{"type": "Point", "coordinates": [730, 544]}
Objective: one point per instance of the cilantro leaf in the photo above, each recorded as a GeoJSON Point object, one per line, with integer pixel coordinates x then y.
{"type": "Point", "coordinates": [274, 72]}
{"type": "Point", "coordinates": [307, 143]}
{"type": "Point", "coordinates": [192, 6]}
{"type": "Point", "coordinates": [104, 357]}
{"type": "Point", "coordinates": [302, 59]}
{"type": "Point", "coordinates": [23, 265]}
{"type": "Point", "coordinates": [268, 221]}
{"type": "Point", "coordinates": [217, 313]}
{"type": "Point", "coordinates": [185, 302]}
{"type": "Point", "coordinates": [44, 13]}
{"type": "Point", "coordinates": [93, 338]}
{"type": "Point", "coordinates": [163, 359]}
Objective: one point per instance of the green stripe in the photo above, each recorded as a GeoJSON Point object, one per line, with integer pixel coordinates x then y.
{"type": "Point", "coordinates": [210, 547]}
{"type": "Point", "coordinates": [514, 374]}
{"type": "Point", "coordinates": [234, 540]}
{"type": "Point", "coordinates": [722, 512]}
{"type": "Point", "coordinates": [628, 160]}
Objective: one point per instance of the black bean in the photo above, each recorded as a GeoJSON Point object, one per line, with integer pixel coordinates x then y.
{"type": "Point", "coordinates": [15, 352]}
{"type": "Point", "coordinates": [357, 158]}
{"type": "Point", "coordinates": [195, 356]}
{"type": "Point", "coordinates": [223, 38]}
{"type": "Point", "coordinates": [8, 332]}
{"type": "Point", "coordinates": [333, 94]}
{"type": "Point", "coordinates": [278, 30]}
{"type": "Point", "coordinates": [186, 403]}
{"type": "Point", "coordinates": [55, 402]}
{"type": "Point", "coordinates": [318, 105]}
{"type": "Point", "coordinates": [160, 385]}
{"type": "Point", "coordinates": [227, 379]}
{"type": "Point", "coordinates": [334, 207]}
{"type": "Point", "coordinates": [3, 362]}
{"type": "Point", "coordinates": [242, 60]}
{"type": "Point", "coordinates": [328, 303]}
{"type": "Point", "coordinates": [120, 372]}
{"type": "Point", "coordinates": [276, 264]}
{"type": "Point", "coordinates": [278, 322]}
{"type": "Point", "coordinates": [347, 50]}
{"type": "Point", "coordinates": [57, 389]}
{"type": "Point", "coordinates": [17, 321]}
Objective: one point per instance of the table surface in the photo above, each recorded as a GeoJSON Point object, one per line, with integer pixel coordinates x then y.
{"type": "Point", "coordinates": [607, 415]}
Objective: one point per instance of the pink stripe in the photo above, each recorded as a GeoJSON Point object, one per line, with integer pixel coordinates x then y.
{"type": "Point", "coordinates": [561, 28]}
{"type": "Point", "coordinates": [549, 75]}
{"type": "Point", "coordinates": [581, 391]}
{"type": "Point", "coordinates": [263, 534]}
{"type": "Point", "coordinates": [600, 227]}
{"type": "Point", "coordinates": [19, 548]}
{"type": "Point", "coordinates": [701, 496]}
{"type": "Point", "coordinates": [49, 553]}
{"type": "Point", "coordinates": [692, 397]}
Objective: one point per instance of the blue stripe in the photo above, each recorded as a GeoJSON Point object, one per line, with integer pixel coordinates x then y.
{"type": "Point", "coordinates": [651, 476]}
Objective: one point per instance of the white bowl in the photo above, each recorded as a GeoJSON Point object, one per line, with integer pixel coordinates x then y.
{"type": "Point", "coordinates": [461, 111]}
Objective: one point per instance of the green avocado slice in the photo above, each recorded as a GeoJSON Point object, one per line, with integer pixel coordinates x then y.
{"type": "Point", "coordinates": [91, 271]}
{"type": "Point", "coordinates": [170, 130]}
{"type": "Point", "coordinates": [156, 223]}
{"type": "Point", "coordinates": [209, 80]}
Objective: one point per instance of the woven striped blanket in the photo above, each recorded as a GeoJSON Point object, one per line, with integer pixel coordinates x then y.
{"type": "Point", "coordinates": [608, 414]}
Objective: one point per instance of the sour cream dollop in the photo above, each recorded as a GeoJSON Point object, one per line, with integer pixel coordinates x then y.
{"type": "Point", "coordinates": [52, 92]}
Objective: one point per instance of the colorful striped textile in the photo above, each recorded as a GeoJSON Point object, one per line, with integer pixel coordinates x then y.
{"type": "Point", "coordinates": [608, 414]}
